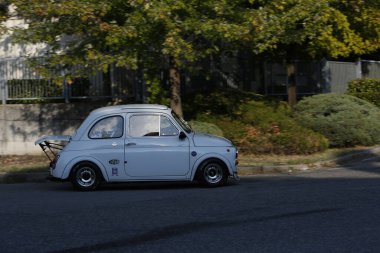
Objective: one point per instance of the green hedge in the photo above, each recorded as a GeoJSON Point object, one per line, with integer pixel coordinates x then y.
{"type": "Point", "coordinates": [366, 88]}
{"type": "Point", "coordinates": [206, 128]}
{"type": "Point", "coordinates": [255, 124]}
{"type": "Point", "coordinates": [345, 120]}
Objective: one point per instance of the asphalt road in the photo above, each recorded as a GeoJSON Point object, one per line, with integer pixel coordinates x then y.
{"type": "Point", "coordinates": [329, 210]}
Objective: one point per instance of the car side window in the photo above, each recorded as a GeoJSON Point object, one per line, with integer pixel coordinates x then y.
{"type": "Point", "coordinates": [167, 128]}
{"type": "Point", "coordinates": [144, 125]}
{"type": "Point", "coordinates": [110, 127]}
{"type": "Point", "coordinates": [151, 125]}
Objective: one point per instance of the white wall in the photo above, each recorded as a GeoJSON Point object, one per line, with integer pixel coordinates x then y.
{"type": "Point", "coordinates": [11, 50]}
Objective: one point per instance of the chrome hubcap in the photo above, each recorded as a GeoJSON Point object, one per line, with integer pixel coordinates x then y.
{"type": "Point", "coordinates": [213, 173]}
{"type": "Point", "coordinates": [86, 176]}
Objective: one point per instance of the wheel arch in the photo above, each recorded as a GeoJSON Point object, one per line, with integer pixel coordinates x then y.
{"type": "Point", "coordinates": [78, 160]}
{"type": "Point", "coordinates": [208, 158]}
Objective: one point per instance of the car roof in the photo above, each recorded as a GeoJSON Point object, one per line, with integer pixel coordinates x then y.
{"type": "Point", "coordinates": [129, 107]}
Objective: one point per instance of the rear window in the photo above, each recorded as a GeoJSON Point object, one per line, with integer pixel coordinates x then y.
{"type": "Point", "coordinates": [106, 128]}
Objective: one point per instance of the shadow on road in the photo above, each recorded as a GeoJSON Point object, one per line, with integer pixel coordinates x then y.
{"type": "Point", "coordinates": [140, 186]}
{"type": "Point", "coordinates": [368, 162]}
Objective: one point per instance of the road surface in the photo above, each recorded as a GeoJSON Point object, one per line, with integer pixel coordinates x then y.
{"type": "Point", "coordinates": [329, 210]}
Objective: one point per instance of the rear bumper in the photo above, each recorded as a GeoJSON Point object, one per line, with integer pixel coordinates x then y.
{"type": "Point", "coordinates": [55, 179]}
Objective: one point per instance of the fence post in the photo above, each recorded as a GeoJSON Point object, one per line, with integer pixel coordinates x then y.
{"type": "Point", "coordinates": [325, 72]}
{"type": "Point", "coordinates": [112, 80]}
{"type": "Point", "coordinates": [358, 68]}
{"type": "Point", "coordinates": [291, 80]}
{"type": "Point", "coordinates": [265, 67]}
{"type": "Point", "coordinates": [3, 89]}
{"type": "Point", "coordinates": [66, 91]}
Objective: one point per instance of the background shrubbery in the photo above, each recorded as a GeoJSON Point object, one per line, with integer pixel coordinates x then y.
{"type": "Point", "coordinates": [345, 120]}
{"type": "Point", "coordinates": [367, 89]}
{"type": "Point", "coordinates": [206, 128]}
{"type": "Point", "coordinates": [255, 125]}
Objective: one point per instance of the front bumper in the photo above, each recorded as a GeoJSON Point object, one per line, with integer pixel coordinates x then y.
{"type": "Point", "coordinates": [235, 176]}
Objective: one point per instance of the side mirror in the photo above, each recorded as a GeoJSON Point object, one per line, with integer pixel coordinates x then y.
{"type": "Point", "coordinates": [182, 135]}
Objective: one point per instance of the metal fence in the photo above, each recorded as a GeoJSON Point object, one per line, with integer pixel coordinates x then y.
{"type": "Point", "coordinates": [19, 81]}
{"type": "Point", "coordinates": [308, 76]}
{"type": "Point", "coordinates": [317, 76]}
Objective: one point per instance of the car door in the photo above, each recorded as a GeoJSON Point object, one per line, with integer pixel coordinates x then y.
{"type": "Point", "coordinates": [105, 143]}
{"type": "Point", "coordinates": [153, 149]}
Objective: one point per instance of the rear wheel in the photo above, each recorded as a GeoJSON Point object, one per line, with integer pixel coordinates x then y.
{"type": "Point", "coordinates": [212, 174]}
{"type": "Point", "coordinates": [85, 177]}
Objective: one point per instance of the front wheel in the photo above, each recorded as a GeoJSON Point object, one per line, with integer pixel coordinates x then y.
{"type": "Point", "coordinates": [212, 174]}
{"type": "Point", "coordinates": [85, 177]}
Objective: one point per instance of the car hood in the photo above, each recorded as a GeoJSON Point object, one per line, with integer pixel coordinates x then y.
{"type": "Point", "coordinates": [206, 140]}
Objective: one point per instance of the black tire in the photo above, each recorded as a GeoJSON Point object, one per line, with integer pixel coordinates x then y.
{"type": "Point", "coordinates": [85, 177]}
{"type": "Point", "coordinates": [212, 174]}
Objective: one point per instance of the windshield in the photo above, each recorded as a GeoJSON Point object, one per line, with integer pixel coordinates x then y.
{"type": "Point", "coordinates": [182, 123]}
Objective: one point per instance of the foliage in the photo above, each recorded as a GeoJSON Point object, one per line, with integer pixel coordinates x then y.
{"type": "Point", "coordinates": [157, 95]}
{"type": "Point", "coordinates": [258, 125]}
{"type": "Point", "coordinates": [3, 14]}
{"type": "Point", "coordinates": [206, 128]}
{"type": "Point", "coordinates": [80, 87]}
{"type": "Point", "coordinates": [141, 34]}
{"type": "Point", "coordinates": [220, 101]}
{"type": "Point", "coordinates": [298, 28]}
{"type": "Point", "coordinates": [345, 120]}
{"type": "Point", "coordinates": [145, 34]}
{"type": "Point", "coordinates": [366, 88]}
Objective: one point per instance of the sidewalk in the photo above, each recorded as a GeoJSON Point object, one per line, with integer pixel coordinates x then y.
{"type": "Point", "coordinates": [21, 177]}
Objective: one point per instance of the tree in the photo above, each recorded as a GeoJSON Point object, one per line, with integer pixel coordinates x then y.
{"type": "Point", "coordinates": [3, 14]}
{"type": "Point", "coordinates": [136, 33]}
{"type": "Point", "coordinates": [297, 29]}
{"type": "Point", "coordinates": [148, 34]}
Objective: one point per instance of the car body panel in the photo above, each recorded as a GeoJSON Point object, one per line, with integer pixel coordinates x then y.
{"type": "Point", "coordinates": [173, 154]}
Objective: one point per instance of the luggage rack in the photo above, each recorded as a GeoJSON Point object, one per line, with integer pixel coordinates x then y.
{"type": "Point", "coordinates": [52, 145]}
{"type": "Point", "coordinates": [51, 149]}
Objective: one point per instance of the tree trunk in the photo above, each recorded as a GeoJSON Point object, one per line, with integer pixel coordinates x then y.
{"type": "Point", "coordinates": [292, 92]}
{"type": "Point", "coordinates": [175, 87]}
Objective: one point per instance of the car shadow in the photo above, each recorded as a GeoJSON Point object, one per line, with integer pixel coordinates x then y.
{"type": "Point", "coordinates": [141, 186]}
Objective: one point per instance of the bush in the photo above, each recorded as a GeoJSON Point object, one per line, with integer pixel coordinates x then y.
{"type": "Point", "coordinates": [257, 125]}
{"type": "Point", "coordinates": [206, 128]}
{"type": "Point", "coordinates": [218, 102]}
{"type": "Point", "coordinates": [345, 120]}
{"type": "Point", "coordinates": [367, 89]}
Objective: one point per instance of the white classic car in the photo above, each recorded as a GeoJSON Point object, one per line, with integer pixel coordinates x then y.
{"type": "Point", "coordinates": [138, 143]}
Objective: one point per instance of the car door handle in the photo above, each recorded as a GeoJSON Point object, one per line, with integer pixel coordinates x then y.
{"type": "Point", "coordinates": [130, 144]}
{"type": "Point", "coordinates": [114, 144]}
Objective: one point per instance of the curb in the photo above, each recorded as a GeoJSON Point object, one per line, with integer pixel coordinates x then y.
{"type": "Point", "coordinates": [22, 177]}
{"type": "Point", "coordinates": [27, 177]}
{"type": "Point", "coordinates": [336, 162]}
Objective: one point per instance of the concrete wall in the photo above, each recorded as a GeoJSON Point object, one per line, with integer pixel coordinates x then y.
{"type": "Point", "coordinates": [22, 124]}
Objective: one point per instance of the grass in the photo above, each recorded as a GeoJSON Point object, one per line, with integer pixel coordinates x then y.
{"type": "Point", "coordinates": [23, 163]}
{"type": "Point", "coordinates": [329, 154]}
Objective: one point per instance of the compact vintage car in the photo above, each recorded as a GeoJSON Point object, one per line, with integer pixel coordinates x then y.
{"type": "Point", "coordinates": [140, 142]}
